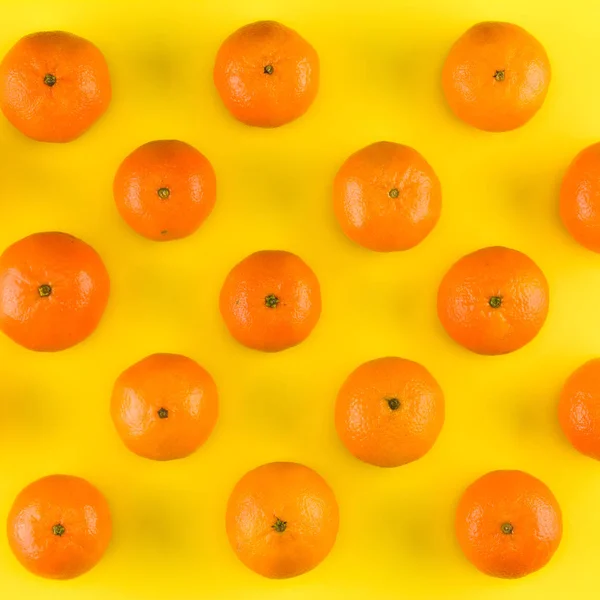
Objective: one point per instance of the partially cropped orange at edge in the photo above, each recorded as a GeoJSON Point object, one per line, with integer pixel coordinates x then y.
{"type": "Point", "coordinates": [580, 198]}
{"type": "Point", "coordinates": [271, 301]}
{"type": "Point", "coordinates": [59, 527]}
{"type": "Point", "coordinates": [282, 519]}
{"type": "Point", "coordinates": [54, 86]}
{"type": "Point", "coordinates": [54, 289]}
{"type": "Point", "coordinates": [165, 189]}
{"type": "Point", "coordinates": [165, 406]}
{"type": "Point", "coordinates": [508, 524]}
{"type": "Point", "coordinates": [266, 74]}
{"type": "Point", "coordinates": [389, 412]}
{"type": "Point", "coordinates": [386, 197]}
{"type": "Point", "coordinates": [493, 301]}
{"type": "Point", "coordinates": [579, 409]}
{"type": "Point", "coordinates": [496, 76]}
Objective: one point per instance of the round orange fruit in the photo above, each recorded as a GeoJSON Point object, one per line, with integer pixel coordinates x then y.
{"type": "Point", "coordinates": [580, 198]}
{"type": "Point", "coordinates": [579, 409]}
{"type": "Point", "coordinates": [165, 406]}
{"type": "Point", "coordinates": [493, 301]}
{"type": "Point", "coordinates": [271, 301]}
{"type": "Point", "coordinates": [165, 190]}
{"type": "Point", "coordinates": [54, 86]}
{"type": "Point", "coordinates": [508, 524]}
{"type": "Point", "coordinates": [496, 76]}
{"type": "Point", "coordinates": [53, 291]}
{"type": "Point", "coordinates": [282, 519]}
{"type": "Point", "coordinates": [266, 74]}
{"type": "Point", "coordinates": [389, 412]}
{"type": "Point", "coordinates": [387, 197]}
{"type": "Point", "coordinates": [59, 527]}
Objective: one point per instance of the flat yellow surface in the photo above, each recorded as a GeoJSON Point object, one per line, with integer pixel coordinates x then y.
{"type": "Point", "coordinates": [381, 63]}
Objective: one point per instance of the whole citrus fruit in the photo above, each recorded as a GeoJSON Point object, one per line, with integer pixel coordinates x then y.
{"type": "Point", "coordinates": [271, 300]}
{"type": "Point", "coordinates": [496, 76]}
{"type": "Point", "coordinates": [493, 301]}
{"type": "Point", "coordinates": [165, 406]}
{"type": "Point", "coordinates": [266, 74]}
{"type": "Point", "coordinates": [54, 86]}
{"type": "Point", "coordinates": [580, 198]}
{"type": "Point", "coordinates": [282, 519]}
{"type": "Point", "coordinates": [386, 197]}
{"type": "Point", "coordinates": [53, 291]}
{"type": "Point", "coordinates": [389, 412]}
{"type": "Point", "coordinates": [59, 527]}
{"type": "Point", "coordinates": [579, 409]}
{"type": "Point", "coordinates": [165, 189]}
{"type": "Point", "coordinates": [508, 524]}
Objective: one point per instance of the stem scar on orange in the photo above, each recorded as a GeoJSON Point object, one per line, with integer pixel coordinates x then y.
{"type": "Point", "coordinates": [55, 86]}
{"type": "Point", "coordinates": [496, 76]}
{"type": "Point", "coordinates": [387, 197]}
{"type": "Point", "coordinates": [59, 527]}
{"type": "Point", "coordinates": [508, 524]}
{"type": "Point", "coordinates": [53, 291]}
{"type": "Point", "coordinates": [266, 74]}
{"type": "Point", "coordinates": [579, 409]}
{"type": "Point", "coordinates": [165, 189]}
{"type": "Point", "coordinates": [271, 301]}
{"type": "Point", "coordinates": [389, 412]}
{"type": "Point", "coordinates": [493, 301]}
{"type": "Point", "coordinates": [282, 519]}
{"type": "Point", "coordinates": [165, 406]}
{"type": "Point", "coordinates": [580, 198]}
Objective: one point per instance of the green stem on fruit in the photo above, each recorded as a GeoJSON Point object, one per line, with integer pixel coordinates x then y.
{"type": "Point", "coordinates": [279, 526]}
{"type": "Point", "coordinates": [44, 290]}
{"type": "Point", "coordinates": [271, 301]}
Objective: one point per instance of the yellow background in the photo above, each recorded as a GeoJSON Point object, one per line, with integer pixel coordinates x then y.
{"type": "Point", "coordinates": [381, 63]}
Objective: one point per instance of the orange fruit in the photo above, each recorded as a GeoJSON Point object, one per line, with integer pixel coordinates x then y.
{"type": "Point", "coordinates": [59, 527]}
{"type": "Point", "coordinates": [165, 189]}
{"type": "Point", "coordinates": [386, 197]}
{"type": "Point", "coordinates": [579, 409]}
{"type": "Point", "coordinates": [53, 291]}
{"type": "Point", "coordinates": [266, 74]}
{"type": "Point", "coordinates": [271, 300]}
{"type": "Point", "coordinates": [389, 412]}
{"type": "Point", "coordinates": [493, 301]}
{"type": "Point", "coordinates": [282, 519]}
{"type": "Point", "coordinates": [496, 76]}
{"type": "Point", "coordinates": [54, 86]}
{"type": "Point", "coordinates": [508, 524]}
{"type": "Point", "coordinates": [165, 406]}
{"type": "Point", "coordinates": [580, 198]}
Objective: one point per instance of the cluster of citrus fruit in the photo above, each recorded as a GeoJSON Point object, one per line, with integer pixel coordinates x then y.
{"type": "Point", "coordinates": [282, 518]}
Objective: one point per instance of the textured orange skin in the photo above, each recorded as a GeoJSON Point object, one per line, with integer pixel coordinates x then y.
{"type": "Point", "coordinates": [292, 493]}
{"type": "Point", "coordinates": [470, 86]}
{"type": "Point", "coordinates": [580, 198]}
{"type": "Point", "coordinates": [261, 274]}
{"type": "Point", "coordinates": [579, 409]}
{"type": "Point", "coordinates": [511, 497]}
{"type": "Point", "coordinates": [364, 208]}
{"type": "Point", "coordinates": [375, 433]}
{"type": "Point", "coordinates": [173, 165]}
{"type": "Point", "coordinates": [71, 502]}
{"type": "Point", "coordinates": [463, 302]}
{"type": "Point", "coordinates": [175, 383]}
{"type": "Point", "coordinates": [80, 290]}
{"type": "Point", "coordinates": [255, 97]}
{"type": "Point", "coordinates": [64, 111]}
